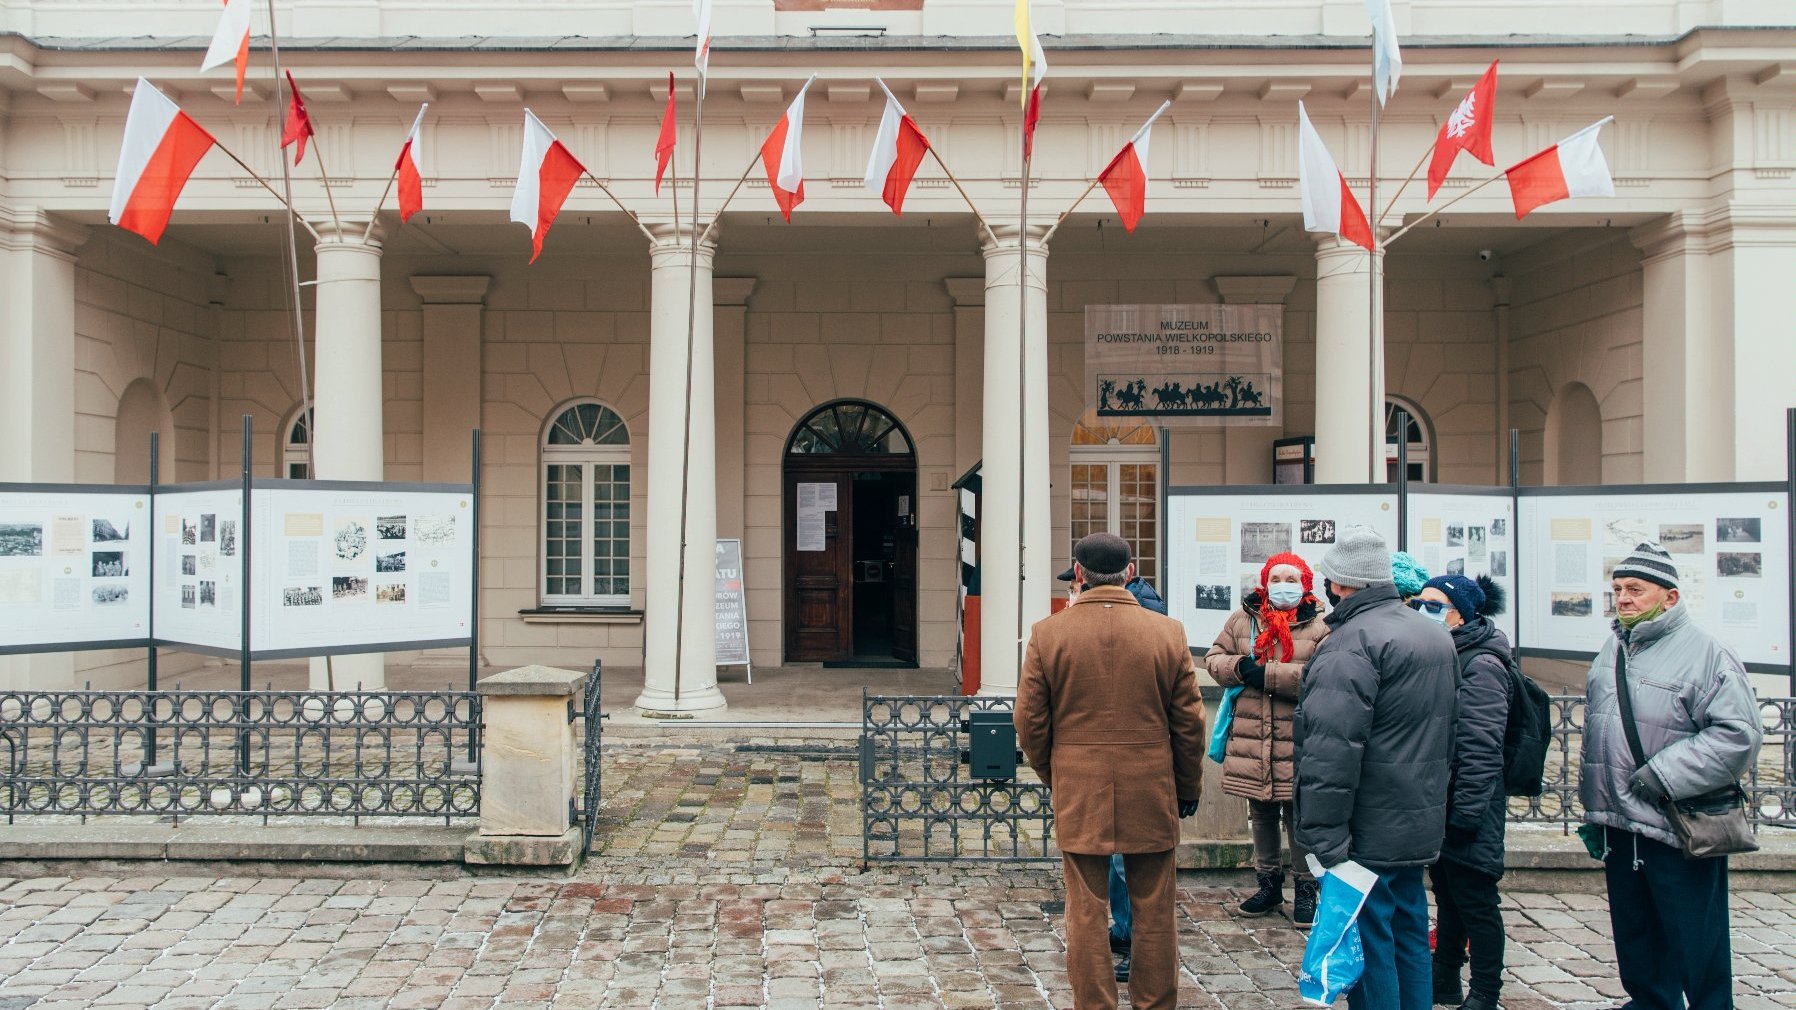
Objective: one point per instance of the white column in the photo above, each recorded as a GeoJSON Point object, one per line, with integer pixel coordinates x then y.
{"type": "Point", "coordinates": [348, 433]}
{"type": "Point", "coordinates": [37, 381]}
{"type": "Point", "coordinates": [1753, 257]}
{"type": "Point", "coordinates": [1684, 355]}
{"type": "Point", "coordinates": [692, 686]}
{"type": "Point", "coordinates": [1015, 434]}
{"type": "Point", "coordinates": [1349, 367]}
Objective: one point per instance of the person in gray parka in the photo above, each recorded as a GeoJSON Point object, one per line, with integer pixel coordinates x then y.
{"type": "Point", "coordinates": [1374, 740]}
{"type": "Point", "coordinates": [1699, 729]}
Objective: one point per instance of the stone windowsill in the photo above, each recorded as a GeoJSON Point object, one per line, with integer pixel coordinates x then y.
{"type": "Point", "coordinates": [581, 615]}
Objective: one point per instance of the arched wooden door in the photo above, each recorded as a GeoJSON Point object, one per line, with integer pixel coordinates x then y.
{"type": "Point", "coordinates": [850, 538]}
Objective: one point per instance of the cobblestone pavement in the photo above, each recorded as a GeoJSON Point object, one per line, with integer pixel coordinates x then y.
{"type": "Point", "coordinates": [728, 876]}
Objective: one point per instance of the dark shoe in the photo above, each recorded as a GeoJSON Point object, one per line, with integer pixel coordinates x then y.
{"type": "Point", "coordinates": [1446, 986]}
{"type": "Point", "coordinates": [1268, 898]}
{"type": "Point", "coordinates": [1479, 1001]}
{"type": "Point", "coordinates": [1119, 945]}
{"type": "Point", "coordinates": [1122, 968]}
{"type": "Point", "coordinates": [1303, 903]}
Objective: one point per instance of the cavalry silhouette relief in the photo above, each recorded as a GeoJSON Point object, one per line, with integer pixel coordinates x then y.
{"type": "Point", "coordinates": [1233, 396]}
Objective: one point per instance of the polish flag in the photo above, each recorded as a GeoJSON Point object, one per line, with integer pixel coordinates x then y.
{"type": "Point", "coordinates": [1572, 167]}
{"type": "Point", "coordinates": [1467, 129]}
{"type": "Point", "coordinates": [162, 146]}
{"type": "Point", "coordinates": [231, 41]}
{"type": "Point", "coordinates": [782, 154]}
{"type": "Point", "coordinates": [1125, 178]}
{"type": "Point", "coordinates": [411, 171]}
{"type": "Point", "coordinates": [299, 122]}
{"type": "Point", "coordinates": [546, 175]}
{"type": "Point", "coordinates": [701, 58]}
{"type": "Point", "coordinates": [664, 145]}
{"type": "Point", "coordinates": [897, 151]}
{"type": "Point", "coordinates": [1328, 205]}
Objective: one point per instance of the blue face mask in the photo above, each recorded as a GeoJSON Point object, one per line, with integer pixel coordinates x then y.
{"type": "Point", "coordinates": [1285, 595]}
{"type": "Point", "coordinates": [1437, 616]}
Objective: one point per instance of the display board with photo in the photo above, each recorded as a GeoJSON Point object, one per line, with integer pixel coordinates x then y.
{"type": "Point", "coordinates": [74, 568]}
{"type": "Point", "coordinates": [1467, 532]}
{"type": "Point", "coordinates": [1217, 543]}
{"type": "Point", "coordinates": [199, 574]}
{"type": "Point", "coordinates": [1731, 549]}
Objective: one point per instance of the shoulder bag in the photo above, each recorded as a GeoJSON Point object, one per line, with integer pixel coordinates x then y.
{"type": "Point", "coordinates": [1713, 824]}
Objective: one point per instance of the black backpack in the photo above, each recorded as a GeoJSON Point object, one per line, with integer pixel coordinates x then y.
{"type": "Point", "coordinates": [1528, 732]}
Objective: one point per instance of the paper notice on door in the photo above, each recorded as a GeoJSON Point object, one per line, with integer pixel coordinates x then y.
{"type": "Point", "coordinates": [811, 508]}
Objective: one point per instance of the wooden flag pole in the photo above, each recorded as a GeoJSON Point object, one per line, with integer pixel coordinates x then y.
{"type": "Point", "coordinates": [1386, 212]}
{"type": "Point", "coordinates": [752, 160]}
{"type": "Point", "coordinates": [620, 204]}
{"type": "Point", "coordinates": [284, 202]}
{"type": "Point", "coordinates": [1094, 183]}
{"type": "Point", "coordinates": [963, 194]}
{"type": "Point", "coordinates": [1442, 208]}
{"type": "Point", "coordinates": [290, 252]}
{"type": "Point", "coordinates": [326, 178]}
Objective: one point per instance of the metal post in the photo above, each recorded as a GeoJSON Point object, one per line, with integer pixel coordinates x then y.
{"type": "Point", "coordinates": [149, 740]}
{"type": "Point", "coordinates": [1515, 530]}
{"type": "Point", "coordinates": [1374, 335]}
{"type": "Point", "coordinates": [1402, 479]}
{"type": "Point", "coordinates": [1790, 518]}
{"type": "Point", "coordinates": [474, 604]}
{"type": "Point", "coordinates": [243, 595]}
{"type": "Point", "coordinates": [1165, 496]}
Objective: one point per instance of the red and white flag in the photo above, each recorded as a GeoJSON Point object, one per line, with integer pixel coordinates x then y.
{"type": "Point", "coordinates": [231, 41]}
{"type": "Point", "coordinates": [1125, 178]}
{"type": "Point", "coordinates": [299, 122]}
{"type": "Point", "coordinates": [1467, 129]}
{"type": "Point", "coordinates": [411, 171]}
{"type": "Point", "coordinates": [782, 155]}
{"type": "Point", "coordinates": [664, 144]}
{"type": "Point", "coordinates": [162, 146]}
{"type": "Point", "coordinates": [897, 151]}
{"type": "Point", "coordinates": [546, 175]}
{"type": "Point", "coordinates": [1035, 67]}
{"type": "Point", "coordinates": [701, 57]}
{"type": "Point", "coordinates": [1328, 205]}
{"type": "Point", "coordinates": [1573, 167]}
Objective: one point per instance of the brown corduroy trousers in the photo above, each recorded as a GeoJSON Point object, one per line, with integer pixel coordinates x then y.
{"type": "Point", "coordinates": [1154, 972]}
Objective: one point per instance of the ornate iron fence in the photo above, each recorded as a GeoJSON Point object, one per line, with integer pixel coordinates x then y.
{"type": "Point", "coordinates": [917, 803]}
{"type": "Point", "coordinates": [262, 753]}
{"type": "Point", "coordinates": [1770, 784]}
{"type": "Point", "coordinates": [586, 815]}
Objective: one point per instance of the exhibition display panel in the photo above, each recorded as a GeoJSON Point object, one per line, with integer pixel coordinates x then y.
{"type": "Point", "coordinates": [1467, 531]}
{"type": "Point", "coordinates": [74, 567]}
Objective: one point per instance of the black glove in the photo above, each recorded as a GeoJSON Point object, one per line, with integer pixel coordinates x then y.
{"type": "Point", "coordinates": [1647, 786]}
{"type": "Point", "coordinates": [1459, 837]}
{"type": "Point", "coordinates": [1251, 673]}
{"type": "Point", "coordinates": [1187, 808]}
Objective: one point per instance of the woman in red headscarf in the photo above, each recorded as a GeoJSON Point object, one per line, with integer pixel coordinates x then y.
{"type": "Point", "coordinates": [1262, 650]}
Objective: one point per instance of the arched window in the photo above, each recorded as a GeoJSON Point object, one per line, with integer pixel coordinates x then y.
{"type": "Point", "coordinates": [296, 445]}
{"type": "Point", "coordinates": [1116, 486]}
{"type": "Point", "coordinates": [1421, 446]}
{"type": "Point", "coordinates": [586, 508]}
{"type": "Point", "coordinates": [849, 427]}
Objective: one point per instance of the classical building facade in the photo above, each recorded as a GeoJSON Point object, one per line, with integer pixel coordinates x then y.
{"type": "Point", "coordinates": [851, 354]}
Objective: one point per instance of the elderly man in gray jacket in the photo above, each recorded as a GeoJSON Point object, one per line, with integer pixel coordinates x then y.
{"type": "Point", "coordinates": [1698, 724]}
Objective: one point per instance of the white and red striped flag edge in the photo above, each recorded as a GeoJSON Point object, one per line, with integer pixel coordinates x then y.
{"type": "Point", "coordinates": [1328, 204]}
{"type": "Point", "coordinates": [162, 146]}
{"type": "Point", "coordinates": [782, 155]}
{"type": "Point", "coordinates": [898, 149]}
{"type": "Point", "coordinates": [411, 170]}
{"type": "Point", "coordinates": [701, 56]}
{"type": "Point", "coordinates": [1573, 167]}
{"type": "Point", "coordinates": [547, 172]}
{"type": "Point", "coordinates": [1035, 68]}
{"type": "Point", "coordinates": [231, 41]}
{"type": "Point", "coordinates": [1125, 178]}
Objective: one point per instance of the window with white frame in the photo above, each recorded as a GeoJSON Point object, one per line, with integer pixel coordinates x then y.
{"type": "Point", "coordinates": [586, 508]}
{"type": "Point", "coordinates": [1421, 447]}
{"type": "Point", "coordinates": [296, 446]}
{"type": "Point", "coordinates": [1116, 487]}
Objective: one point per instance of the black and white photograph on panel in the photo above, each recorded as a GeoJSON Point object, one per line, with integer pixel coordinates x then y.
{"type": "Point", "coordinates": [1260, 541]}
{"type": "Point", "coordinates": [1739, 564]}
{"type": "Point", "coordinates": [389, 527]}
{"type": "Point", "coordinates": [391, 562]}
{"type": "Point", "coordinates": [1456, 566]}
{"type": "Point", "coordinates": [302, 596]}
{"type": "Point", "coordinates": [1571, 604]}
{"type": "Point", "coordinates": [108, 532]}
{"type": "Point", "coordinates": [1499, 528]}
{"type": "Point", "coordinates": [1475, 545]}
{"type": "Point", "coordinates": [110, 565]}
{"type": "Point", "coordinates": [111, 594]}
{"type": "Point", "coordinates": [1741, 530]}
{"type": "Point", "coordinates": [433, 531]}
{"type": "Point", "coordinates": [351, 539]}
{"type": "Point", "coordinates": [190, 564]}
{"type": "Point", "coordinates": [21, 540]}
{"type": "Point", "coordinates": [1499, 563]}
{"type": "Point", "coordinates": [208, 593]}
{"type": "Point", "coordinates": [227, 538]}
{"type": "Point", "coordinates": [1456, 534]}
{"type": "Point", "coordinates": [1681, 538]}
{"type": "Point", "coordinates": [389, 592]}
{"type": "Point", "coordinates": [1316, 531]}
{"type": "Point", "coordinates": [1215, 598]}
{"type": "Point", "coordinates": [189, 596]}
{"type": "Point", "coordinates": [190, 533]}
{"type": "Point", "coordinates": [208, 527]}
{"type": "Point", "coordinates": [349, 587]}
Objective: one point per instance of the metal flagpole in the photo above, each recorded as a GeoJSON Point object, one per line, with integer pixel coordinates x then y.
{"type": "Point", "coordinates": [1022, 326]}
{"type": "Point", "coordinates": [292, 250]}
{"type": "Point", "coordinates": [698, 132]}
{"type": "Point", "coordinates": [1374, 339]}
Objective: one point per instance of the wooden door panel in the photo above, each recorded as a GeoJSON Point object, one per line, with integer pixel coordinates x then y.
{"type": "Point", "coordinates": [818, 604]}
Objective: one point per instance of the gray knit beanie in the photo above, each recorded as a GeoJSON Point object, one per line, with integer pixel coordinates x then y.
{"type": "Point", "coordinates": [1650, 562]}
{"type": "Point", "coordinates": [1359, 558]}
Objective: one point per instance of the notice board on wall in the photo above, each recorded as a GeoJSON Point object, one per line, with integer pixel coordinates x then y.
{"type": "Point", "coordinates": [74, 567]}
{"type": "Point", "coordinates": [343, 567]}
{"type": "Point", "coordinates": [199, 567]}
{"type": "Point", "coordinates": [1470, 532]}
{"type": "Point", "coordinates": [1216, 543]}
{"type": "Point", "coordinates": [1731, 545]}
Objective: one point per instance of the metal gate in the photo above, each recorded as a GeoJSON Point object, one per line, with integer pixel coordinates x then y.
{"type": "Point", "coordinates": [918, 803]}
{"type": "Point", "coordinates": [586, 813]}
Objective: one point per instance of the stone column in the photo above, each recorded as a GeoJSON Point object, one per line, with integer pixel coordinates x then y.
{"type": "Point", "coordinates": [693, 686]}
{"type": "Point", "coordinates": [348, 432]}
{"type": "Point", "coordinates": [1349, 367]}
{"type": "Point", "coordinates": [1015, 434]}
{"type": "Point", "coordinates": [37, 381]}
{"type": "Point", "coordinates": [451, 371]}
{"type": "Point", "coordinates": [1681, 369]}
{"type": "Point", "coordinates": [1247, 449]}
{"type": "Point", "coordinates": [1753, 262]}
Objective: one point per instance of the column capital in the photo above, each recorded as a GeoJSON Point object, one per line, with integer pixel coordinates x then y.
{"type": "Point", "coordinates": [23, 228]}
{"type": "Point", "coordinates": [1006, 239]}
{"type": "Point", "coordinates": [967, 292]}
{"type": "Point", "coordinates": [671, 244]}
{"type": "Point", "coordinates": [1678, 233]}
{"type": "Point", "coordinates": [350, 234]}
{"type": "Point", "coordinates": [1267, 290]}
{"type": "Point", "coordinates": [466, 289]}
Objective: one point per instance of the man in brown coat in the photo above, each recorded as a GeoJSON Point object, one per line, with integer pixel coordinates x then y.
{"type": "Point", "coordinates": [1108, 714]}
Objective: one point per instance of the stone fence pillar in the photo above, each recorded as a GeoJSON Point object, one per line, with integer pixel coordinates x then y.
{"type": "Point", "coordinates": [529, 769]}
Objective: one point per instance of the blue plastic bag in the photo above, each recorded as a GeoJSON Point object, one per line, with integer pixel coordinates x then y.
{"type": "Point", "coordinates": [1225, 717]}
{"type": "Point", "coordinates": [1333, 959]}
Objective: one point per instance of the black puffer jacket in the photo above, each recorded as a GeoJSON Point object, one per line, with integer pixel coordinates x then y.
{"type": "Point", "coordinates": [1374, 734]}
{"type": "Point", "coordinates": [1476, 804]}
